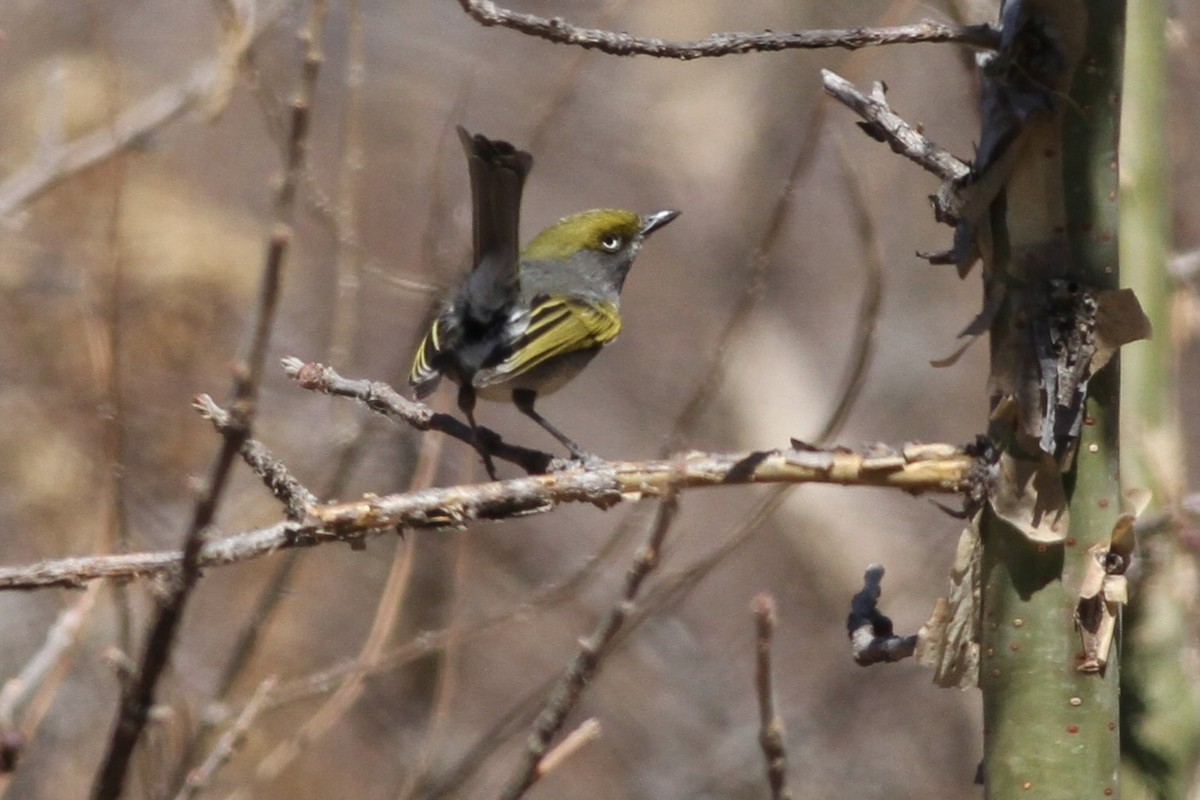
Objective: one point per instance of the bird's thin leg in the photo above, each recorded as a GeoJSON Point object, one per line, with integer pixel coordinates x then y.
{"type": "Point", "coordinates": [466, 402]}
{"type": "Point", "coordinates": [524, 399]}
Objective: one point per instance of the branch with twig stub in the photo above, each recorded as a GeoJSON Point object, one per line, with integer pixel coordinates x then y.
{"type": "Point", "coordinates": [965, 193]}
{"type": "Point", "coordinates": [559, 31]}
{"type": "Point", "coordinates": [871, 635]}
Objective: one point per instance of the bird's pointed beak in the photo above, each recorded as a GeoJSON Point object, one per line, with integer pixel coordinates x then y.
{"type": "Point", "coordinates": [652, 222]}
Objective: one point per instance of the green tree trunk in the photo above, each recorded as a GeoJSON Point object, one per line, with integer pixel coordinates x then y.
{"type": "Point", "coordinates": [1050, 728]}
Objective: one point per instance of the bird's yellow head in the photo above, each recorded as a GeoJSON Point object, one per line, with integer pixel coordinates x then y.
{"type": "Point", "coordinates": [601, 229]}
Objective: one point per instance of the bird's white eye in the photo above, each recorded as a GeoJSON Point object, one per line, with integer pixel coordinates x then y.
{"type": "Point", "coordinates": [610, 242]}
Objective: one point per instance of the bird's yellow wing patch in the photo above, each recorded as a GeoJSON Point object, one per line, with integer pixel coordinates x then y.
{"type": "Point", "coordinates": [557, 326]}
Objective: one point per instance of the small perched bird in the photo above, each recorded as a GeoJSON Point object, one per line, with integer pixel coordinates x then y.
{"type": "Point", "coordinates": [524, 322]}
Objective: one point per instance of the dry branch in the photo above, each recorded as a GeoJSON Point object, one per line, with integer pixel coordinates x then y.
{"type": "Point", "coordinates": [274, 474]}
{"type": "Point", "coordinates": [886, 125]}
{"type": "Point", "coordinates": [914, 468]}
{"type": "Point", "coordinates": [559, 31]}
{"type": "Point", "coordinates": [383, 399]}
{"type": "Point", "coordinates": [138, 696]}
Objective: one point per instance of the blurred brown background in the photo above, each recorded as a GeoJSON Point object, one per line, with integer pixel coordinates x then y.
{"type": "Point", "coordinates": [125, 290]}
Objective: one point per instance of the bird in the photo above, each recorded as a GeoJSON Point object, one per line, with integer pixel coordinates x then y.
{"type": "Point", "coordinates": [524, 322]}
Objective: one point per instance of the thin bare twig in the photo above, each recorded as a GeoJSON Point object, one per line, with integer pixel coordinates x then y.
{"type": "Point", "coordinates": [884, 124]}
{"type": "Point", "coordinates": [227, 745]}
{"type": "Point", "coordinates": [54, 164]}
{"type": "Point", "coordinates": [591, 652]}
{"type": "Point", "coordinates": [867, 323]}
{"type": "Point", "coordinates": [33, 688]}
{"type": "Point", "coordinates": [559, 31]}
{"type": "Point", "coordinates": [770, 734]}
{"type": "Point", "coordinates": [587, 732]}
{"type": "Point", "coordinates": [383, 399]}
{"type": "Point", "coordinates": [138, 697]}
{"type": "Point", "coordinates": [278, 478]}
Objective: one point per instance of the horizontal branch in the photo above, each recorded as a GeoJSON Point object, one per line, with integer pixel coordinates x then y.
{"type": "Point", "coordinates": [915, 468]}
{"type": "Point", "coordinates": [925, 468]}
{"type": "Point", "coordinates": [559, 31]}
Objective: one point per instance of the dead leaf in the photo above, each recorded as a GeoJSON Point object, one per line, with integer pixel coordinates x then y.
{"type": "Point", "coordinates": [949, 641]}
{"type": "Point", "coordinates": [1101, 596]}
{"type": "Point", "coordinates": [1028, 494]}
{"type": "Point", "coordinates": [1119, 321]}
